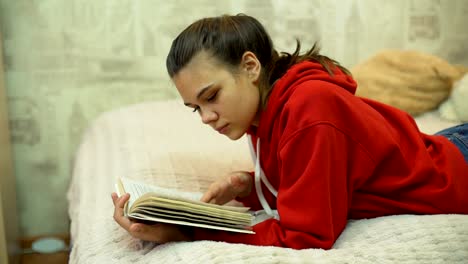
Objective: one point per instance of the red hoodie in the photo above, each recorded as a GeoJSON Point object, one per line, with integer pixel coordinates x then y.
{"type": "Point", "coordinates": [333, 156]}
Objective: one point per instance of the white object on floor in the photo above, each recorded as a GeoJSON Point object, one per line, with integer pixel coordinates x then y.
{"type": "Point", "coordinates": [46, 245]}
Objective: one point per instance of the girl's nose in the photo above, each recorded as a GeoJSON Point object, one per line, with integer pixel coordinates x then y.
{"type": "Point", "coordinates": [208, 116]}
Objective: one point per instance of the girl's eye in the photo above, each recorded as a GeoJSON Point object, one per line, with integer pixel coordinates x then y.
{"type": "Point", "coordinates": [196, 109]}
{"type": "Point", "coordinates": [212, 97]}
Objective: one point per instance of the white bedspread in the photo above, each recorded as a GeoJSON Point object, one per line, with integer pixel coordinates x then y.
{"type": "Point", "coordinates": [137, 142]}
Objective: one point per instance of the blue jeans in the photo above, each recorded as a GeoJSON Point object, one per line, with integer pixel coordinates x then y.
{"type": "Point", "coordinates": [458, 135]}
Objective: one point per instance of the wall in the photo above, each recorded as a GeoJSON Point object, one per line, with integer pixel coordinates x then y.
{"type": "Point", "coordinates": [68, 61]}
{"type": "Point", "coordinates": [9, 245]}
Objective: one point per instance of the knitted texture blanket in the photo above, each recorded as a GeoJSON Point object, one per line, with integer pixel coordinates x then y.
{"type": "Point", "coordinates": [133, 142]}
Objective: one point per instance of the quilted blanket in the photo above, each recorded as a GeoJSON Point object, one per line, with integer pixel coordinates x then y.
{"type": "Point", "coordinates": [139, 142]}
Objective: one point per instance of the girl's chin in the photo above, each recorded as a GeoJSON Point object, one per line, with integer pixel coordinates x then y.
{"type": "Point", "coordinates": [233, 135]}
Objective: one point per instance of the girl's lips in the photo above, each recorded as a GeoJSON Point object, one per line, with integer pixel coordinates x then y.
{"type": "Point", "coordinates": [222, 129]}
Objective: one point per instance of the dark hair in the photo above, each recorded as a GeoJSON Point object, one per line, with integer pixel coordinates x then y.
{"type": "Point", "coordinates": [227, 38]}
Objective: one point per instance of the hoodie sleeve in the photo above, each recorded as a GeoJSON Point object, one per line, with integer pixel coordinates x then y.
{"type": "Point", "coordinates": [313, 196]}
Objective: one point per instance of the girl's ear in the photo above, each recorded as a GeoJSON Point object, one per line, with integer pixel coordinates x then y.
{"type": "Point", "coordinates": [251, 66]}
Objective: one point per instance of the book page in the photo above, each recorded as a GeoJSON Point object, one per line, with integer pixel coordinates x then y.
{"type": "Point", "coordinates": [174, 215]}
{"type": "Point", "coordinates": [137, 189]}
{"type": "Point", "coordinates": [179, 222]}
{"type": "Point", "coordinates": [134, 188]}
{"type": "Point", "coordinates": [247, 221]}
{"type": "Point", "coordinates": [202, 208]}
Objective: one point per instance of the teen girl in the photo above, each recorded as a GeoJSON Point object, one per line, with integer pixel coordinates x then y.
{"type": "Point", "coordinates": [323, 155]}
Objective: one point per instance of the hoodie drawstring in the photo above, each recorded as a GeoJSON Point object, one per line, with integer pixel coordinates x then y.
{"type": "Point", "coordinates": [260, 177]}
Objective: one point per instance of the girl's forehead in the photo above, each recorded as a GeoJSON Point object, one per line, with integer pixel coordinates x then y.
{"type": "Point", "coordinates": [198, 75]}
{"type": "Point", "coordinates": [204, 66]}
{"type": "Point", "coordinates": [206, 60]}
{"type": "Point", "coordinates": [198, 71]}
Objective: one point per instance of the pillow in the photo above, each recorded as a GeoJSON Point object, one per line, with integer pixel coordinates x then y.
{"type": "Point", "coordinates": [409, 80]}
{"type": "Point", "coordinates": [455, 108]}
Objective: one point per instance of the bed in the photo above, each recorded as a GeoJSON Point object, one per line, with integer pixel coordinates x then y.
{"type": "Point", "coordinates": [165, 144]}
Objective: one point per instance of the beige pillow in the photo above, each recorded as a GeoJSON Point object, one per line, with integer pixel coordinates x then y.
{"type": "Point", "coordinates": [409, 80]}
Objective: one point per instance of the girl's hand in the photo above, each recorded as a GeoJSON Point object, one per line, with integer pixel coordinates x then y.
{"type": "Point", "coordinates": [159, 232]}
{"type": "Point", "coordinates": [236, 184]}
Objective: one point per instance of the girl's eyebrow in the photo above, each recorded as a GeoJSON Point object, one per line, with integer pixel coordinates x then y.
{"type": "Point", "coordinates": [201, 92]}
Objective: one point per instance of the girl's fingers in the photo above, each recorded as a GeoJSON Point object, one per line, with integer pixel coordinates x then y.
{"type": "Point", "coordinates": [159, 233]}
{"type": "Point", "coordinates": [236, 181]}
{"type": "Point", "coordinates": [207, 196]}
{"type": "Point", "coordinates": [123, 221]}
{"type": "Point", "coordinates": [114, 197]}
{"type": "Point", "coordinates": [211, 193]}
{"type": "Point", "coordinates": [239, 180]}
{"type": "Point", "coordinates": [120, 203]}
{"type": "Point", "coordinates": [136, 228]}
{"type": "Point", "coordinates": [153, 233]}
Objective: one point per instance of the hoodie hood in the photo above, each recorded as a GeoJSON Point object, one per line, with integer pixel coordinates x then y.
{"type": "Point", "coordinates": [296, 75]}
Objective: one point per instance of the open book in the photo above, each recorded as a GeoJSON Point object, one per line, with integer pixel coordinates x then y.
{"type": "Point", "coordinates": [152, 203]}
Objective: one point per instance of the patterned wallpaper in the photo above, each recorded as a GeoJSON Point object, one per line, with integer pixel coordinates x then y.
{"type": "Point", "coordinates": [68, 61]}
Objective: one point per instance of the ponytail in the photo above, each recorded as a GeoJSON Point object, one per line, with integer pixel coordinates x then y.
{"type": "Point", "coordinates": [281, 62]}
